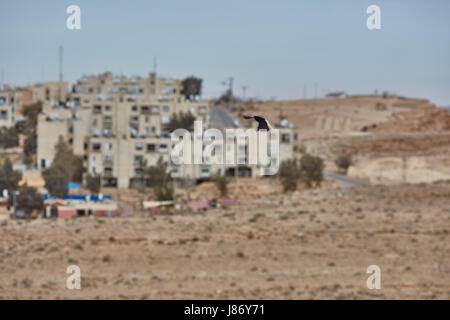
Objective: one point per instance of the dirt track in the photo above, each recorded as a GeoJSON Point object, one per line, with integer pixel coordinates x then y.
{"type": "Point", "coordinates": [311, 244]}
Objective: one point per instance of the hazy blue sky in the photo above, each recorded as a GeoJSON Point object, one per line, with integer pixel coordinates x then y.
{"type": "Point", "coordinates": [274, 47]}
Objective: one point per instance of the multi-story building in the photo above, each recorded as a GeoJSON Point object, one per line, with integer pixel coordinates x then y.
{"type": "Point", "coordinates": [49, 91]}
{"type": "Point", "coordinates": [106, 119]}
{"type": "Point", "coordinates": [118, 124]}
{"type": "Point", "coordinates": [11, 103]}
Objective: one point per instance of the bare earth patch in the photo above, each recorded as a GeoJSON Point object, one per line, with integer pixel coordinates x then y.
{"type": "Point", "coordinates": [311, 244]}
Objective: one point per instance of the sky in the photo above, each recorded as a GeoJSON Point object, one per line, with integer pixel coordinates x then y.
{"type": "Point", "coordinates": [278, 49]}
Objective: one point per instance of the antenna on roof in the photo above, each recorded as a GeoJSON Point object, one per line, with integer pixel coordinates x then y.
{"type": "Point", "coordinates": [60, 73]}
{"type": "Point", "coordinates": [155, 63]}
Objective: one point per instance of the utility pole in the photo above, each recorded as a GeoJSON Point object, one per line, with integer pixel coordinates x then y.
{"type": "Point", "coordinates": [229, 81]}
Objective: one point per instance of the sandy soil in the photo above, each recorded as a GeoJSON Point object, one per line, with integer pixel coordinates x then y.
{"type": "Point", "coordinates": [311, 244]}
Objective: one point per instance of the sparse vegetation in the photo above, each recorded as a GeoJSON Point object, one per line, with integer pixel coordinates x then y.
{"type": "Point", "coordinates": [221, 184]}
{"type": "Point", "coordinates": [9, 178]}
{"type": "Point", "coordinates": [65, 167]}
{"type": "Point", "coordinates": [183, 120]}
{"type": "Point", "coordinates": [9, 137]}
{"type": "Point", "coordinates": [31, 113]}
{"type": "Point", "coordinates": [159, 179]}
{"type": "Point", "coordinates": [29, 200]}
{"type": "Point", "coordinates": [93, 183]}
{"type": "Point", "coordinates": [311, 168]}
{"type": "Point", "coordinates": [289, 174]}
{"type": "Point", "coordinates": [343, 162]}
{"type": "Point", "coordinates": [56, 179]}
{"type": "Point", "coordinates": [192, 88]}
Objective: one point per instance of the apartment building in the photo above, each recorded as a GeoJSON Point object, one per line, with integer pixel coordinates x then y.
{"type": "Point", "coordinates": [11, 103]}
{"type": "Point", "coordinates": [49, 91]}
{"type": "Point", "coordinates": [118, 124]}
{"type": "Point", "coordinates": [105, 119]}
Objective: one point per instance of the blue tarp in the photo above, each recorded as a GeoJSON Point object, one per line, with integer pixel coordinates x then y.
{"type": "Point", "coordinates": [73, 185]}
{"type": "Point", "coordinates": [93, 198]}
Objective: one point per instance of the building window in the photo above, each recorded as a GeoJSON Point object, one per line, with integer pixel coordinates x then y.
{"type": "Point", "coordinates": [107, 108]}
{"type": "Point", "coordinates": [204, 172]}
{"type": "Point", "coordinates": [139, 146]}
{"type": "Point", "coordinates": [145, 109]}
{"type": "Point", "coordinates": [155, 109]}
{"type": "Point", "coordinates": [138, 159]}
{"type": "Point", "coordinates": [165, 119]}
{"type": "Point", "coordinates": [43, 163]}
{"type": "Point", "coordinates": [96, 146]}
{"type": "Point", "coordinates": [134, 108]}
{"type": "Point", "coordinates": [166, 109]}
{"type": "Point", "coordinates": [285, 137]}
{"type": "Point", "coordinates": [151, 147]}
{"type": "Point", "coordinates": [108, 146]}
{"type": "Point", "coordinates": [162, 147]}
{"type": "Point", "coordinates": [97, 108]}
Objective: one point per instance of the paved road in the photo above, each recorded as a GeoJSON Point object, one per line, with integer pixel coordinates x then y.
{"type": "Point", "coordinates": [344, 181]}
{"type": "Point", "coordinates": [220, 118]}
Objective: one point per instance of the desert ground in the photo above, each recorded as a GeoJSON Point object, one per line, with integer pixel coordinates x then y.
{"type": "Point", "coordinates": [309, 244]}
